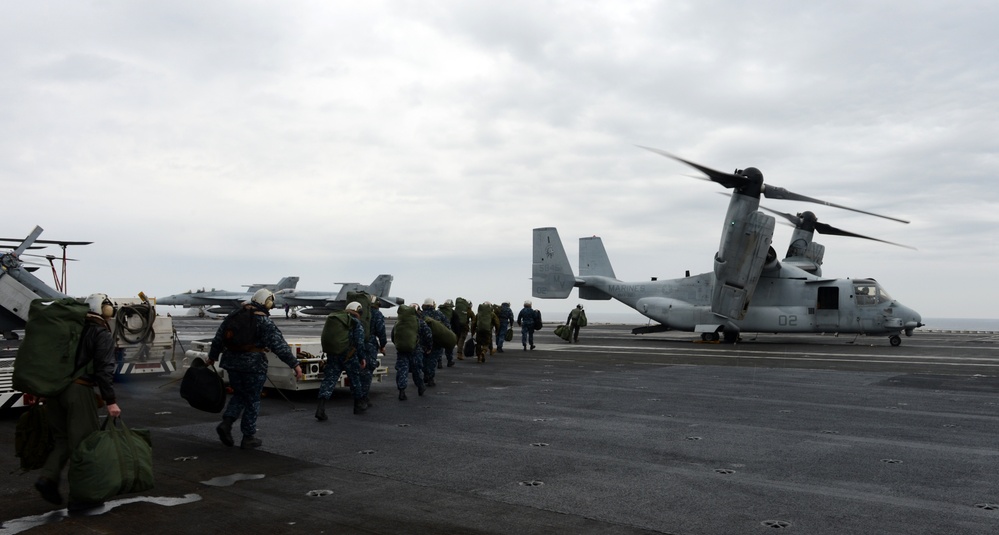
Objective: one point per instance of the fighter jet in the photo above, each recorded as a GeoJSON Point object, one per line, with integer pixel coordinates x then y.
{"type": "Point", "coordinates": [322, 303]}
{"type": "Point", "coordinates": [222, 301]}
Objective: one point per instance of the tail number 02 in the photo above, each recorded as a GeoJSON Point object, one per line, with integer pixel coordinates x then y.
{"type": "Point", "coordinates": [787, 321]}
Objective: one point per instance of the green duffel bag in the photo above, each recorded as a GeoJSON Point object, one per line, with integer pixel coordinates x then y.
{"type": "Point", "coordinates": [405, 334]}
{"type": "Point", "coordinates": [46, 361]}
{"type": "Point", "coordinates": [509, 335]}
{"type": "Point", "coordinates": [564, 332]}
{"type": "Point", "coordinates": [112, 460]}
{"type": "Point", "coordinates": [443, 335]}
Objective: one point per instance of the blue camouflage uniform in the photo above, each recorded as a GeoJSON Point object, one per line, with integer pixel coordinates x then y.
{"type": "Point", "coordinates": [526, 321]}
{"type": "Point", "coordinates": [348, 361]}
{"type": "Point", "coordinates": [247, 370]}
{"type": "Point", "coordinates": [436, 354]}
{"type": "Point", "coordinates": [406, 362]}
{"type": "Point", "coordinates": [448, 312]}
{"type": "Point", "coordinates": [506, 320]}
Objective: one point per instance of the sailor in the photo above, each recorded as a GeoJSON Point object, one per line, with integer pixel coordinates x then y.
{"type": "Point", "coordinates": [576, 319]}
{"type": "Point", "coordinates": [72, 415]}
{"type": "Point", "coordinates": [407, 362]}
{"type": "Point", "coordinates": [505, 315]}
{"type": "Point", "coordinates": [349, 361]}
{"type": "Point", "coordinates": [462, 324]}
{"type": "Point", "coordinates": [526, 321]}
{"type": "Point", "coordinates": [376, 344]}
{"type": "Point", "coordinates": [447, 308]}
{"type": "Point", "coordinates": [243, 346]}
{"type": "Point", "coordinates": [432, 361]}
{"type": "Point", "coordinates": [486, 323]}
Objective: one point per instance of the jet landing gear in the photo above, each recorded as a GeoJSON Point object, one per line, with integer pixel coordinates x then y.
{"type": "Point", "coordinates": [895, 340]}
{"type": "Point", "coordinates": [709, 337]}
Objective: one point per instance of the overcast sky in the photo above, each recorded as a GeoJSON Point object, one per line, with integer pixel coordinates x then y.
{"type": "Point", "coordinates": [217, 144]}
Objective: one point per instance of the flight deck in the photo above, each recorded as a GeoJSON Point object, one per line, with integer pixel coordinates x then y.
{"type": "Point", "coordinates": [618, 434]}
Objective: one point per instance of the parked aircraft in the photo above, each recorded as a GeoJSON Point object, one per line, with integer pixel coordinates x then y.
{"type": "Point", "coordinates": [18, 286]}
{"type": "Point", "coordinates": [222, 301]}
{"type": "Point", "coordinates": [322, 303]}
{"type": "Point", "coordinates": [749, 289]}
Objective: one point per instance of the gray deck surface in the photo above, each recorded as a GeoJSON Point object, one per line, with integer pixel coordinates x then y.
{"type": "Point", "coordinates": [617, 434]}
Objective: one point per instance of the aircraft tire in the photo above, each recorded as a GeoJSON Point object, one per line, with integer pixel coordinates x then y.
{"type": "Point", "coordinates": [895, 340]}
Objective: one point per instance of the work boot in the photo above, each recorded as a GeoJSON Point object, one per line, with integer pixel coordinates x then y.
{"type": "Point", "coordinates": [439, 365]}
{"type": "Point", "coordinates": [250, 442]}
{"type": "Point", "coordinates": [430, 383]}
{"type": "Point", "coordinates": [224, 430]}
{"type": "Point", "coordinates": [402, 394]}
{"type": "Point", "coordinates": [421, 389]}
{"type": "Point", "coordinates": [532, 347]}
{"type": "Point", "coordinates": [450, 363]}
{"type": "Point", "coordinates": [492, 351]}
{"type": "Point", "coordinates": [49, 490]}
{"type": "Point", "coordinates": [525, 347]}
{"type": "Point", "coordinates": [359, 406]}
{"type": "Point", "coordinates": [461, 357]}
{"type": "Point", "coordinates": [321, 410]}
{"type": "Point", "coordinates": [367, 402]}
{"type": "Point", "coordinates": [500, 350]}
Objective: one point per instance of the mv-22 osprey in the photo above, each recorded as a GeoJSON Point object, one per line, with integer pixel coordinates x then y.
{"type": "Point", "coordinates": [749, 289]}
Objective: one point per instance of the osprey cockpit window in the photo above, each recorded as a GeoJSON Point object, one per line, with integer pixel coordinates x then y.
{"type": "Point", "coordinates": [869, 292]}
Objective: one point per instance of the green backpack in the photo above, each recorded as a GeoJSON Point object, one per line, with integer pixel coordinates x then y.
{"type": "Point", "coordinates": [46, 361]}
{"type": "Point", "coordinates": [364, 298]}
{"type": "Point", "coordinates": [462, 307]}
{"type": "Point", "coordinates": [405, 334]}
{"type": "Point", "coordinates": [484, 318]}
{"type": "Point", "coordinates": [336, 333]}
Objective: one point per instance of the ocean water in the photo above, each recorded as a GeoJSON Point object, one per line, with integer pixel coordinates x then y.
{"type": "Point", "coordinates": [961, 324]}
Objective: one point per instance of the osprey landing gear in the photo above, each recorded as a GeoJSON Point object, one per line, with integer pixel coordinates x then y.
{"type": "Point", "coordinates": [895, 340]}
{"type": "Point", "coordinates": [727, 337]}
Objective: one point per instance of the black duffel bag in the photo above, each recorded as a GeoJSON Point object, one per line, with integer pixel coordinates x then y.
{"type": "Point", "coordinates": [202, 387]}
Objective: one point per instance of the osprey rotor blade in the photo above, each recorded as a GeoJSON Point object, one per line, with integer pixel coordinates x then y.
{"type": "Point", "coordinates": [744, 179]}
{"type": "Point", "coordinates": [728, 180]}
{"type": "Point", "coordinates": [774, 192]}
{"type": "Point", "coordinates": [808, 221]}
{"type": "Point", "coordinates": [824, 228]}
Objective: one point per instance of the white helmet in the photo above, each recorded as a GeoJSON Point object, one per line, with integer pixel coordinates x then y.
{"type": "Point", "coordinates": [354, 306]}
{"type": "Point", "coordinates": [429, 302]}
{"type": "Point", "coordinates": [449, 302]}
{"type": "Point", "coordinates": [264, 298]}
{"type": "Point", "coordinates": [101, 305]}
{"type": "Point", "coordinates": [527, 303]}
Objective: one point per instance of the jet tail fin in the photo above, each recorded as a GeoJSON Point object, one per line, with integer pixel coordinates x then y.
{"type": "Point", "coordinates": [287, 283]}
{"type": "Point", "coordinates": [381, 285]}
{"type": "Point", "coordinates": [551, 274]}
{"type": "Point", "coordinates": [593, 260]}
